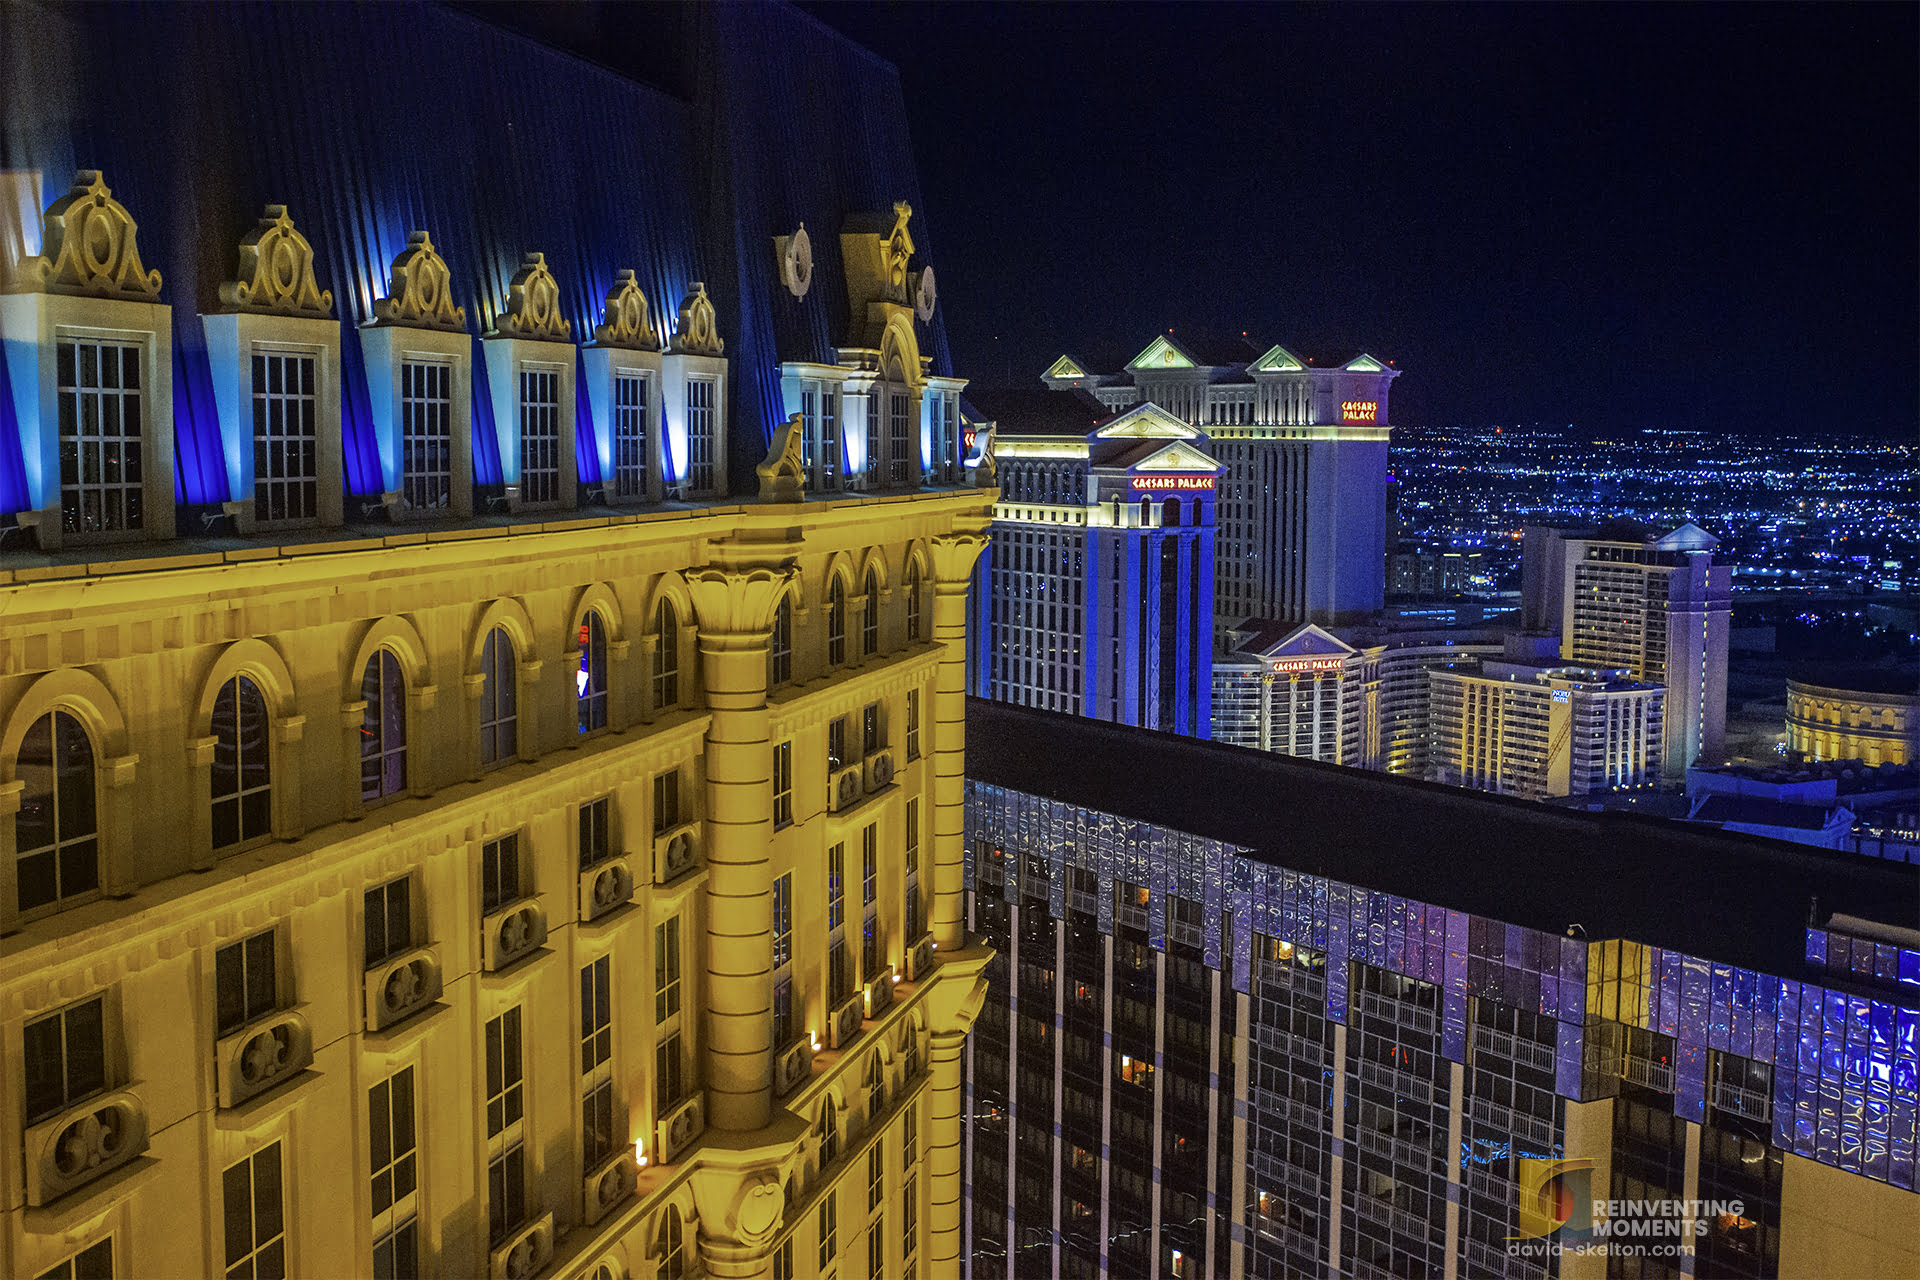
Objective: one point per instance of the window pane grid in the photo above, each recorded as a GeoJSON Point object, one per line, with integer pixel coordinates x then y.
{"type": "Point", "coordinates": [255, 1218]}
{"type": "Point", "coordinates": [506, 1128]}
{"type": "Point", "coordinates": [539, 436]}
{"type": "Point", "coordinates": [56, 828]}
{"type": "Point", "coordinates": [286, 464]}
{"type": "Point", "coordinates": [383, 728]}
{"type": "Point", "coordinates": [395, 1189]}
{"type": "Point", "coordinates": [700, 444]}
{"type": "Point", "coordinates": [590, 682]}
{"type": "Point", "coordinates": [499, 699]}
{"type": "Point", "coordinates": [897, 438]}
{"type": "Point", "coordinates": [629, 436]}
{"type": "Point", "coordinates": [426, 435]}
{"type": "Point", "coordinates": [241, 781]}
{"type": "Point", "coordinates": [100, 426]}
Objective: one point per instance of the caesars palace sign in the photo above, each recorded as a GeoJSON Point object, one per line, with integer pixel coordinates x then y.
{"type": "Point", "coordinates": [1147, 483]}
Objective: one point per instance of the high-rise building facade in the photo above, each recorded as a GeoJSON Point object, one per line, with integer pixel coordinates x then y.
{"type": "Point", "coordinates": [1541, 732]}
{"type": "Point", "coordinates": [1356, 696]}
{"type": "Point", "coordinates": [1314, 1022]}
{"type": "Point", "coordinates": [1097, 596]}
{"type": "Point", "coordinates": [1302, 500]}
{"type": "Point", "coordinates": [1659, 609]}
{"type": "Point", "coordinates": [462, 815]}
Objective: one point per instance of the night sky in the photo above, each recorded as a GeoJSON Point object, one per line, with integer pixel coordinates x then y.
{"type": "Point", "coordinates": [1657, 215]}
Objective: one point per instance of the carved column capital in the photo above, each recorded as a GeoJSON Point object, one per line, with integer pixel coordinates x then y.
{"type": "Point", "coordinates": [954, 555]}
{"type": "Point", "coordinates": [736, 603]}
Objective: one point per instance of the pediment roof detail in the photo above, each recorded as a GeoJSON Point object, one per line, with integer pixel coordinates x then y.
{"type": "Point", "coordinates": [1164, 353]}
{"type": "Point", "coordinates": [1177, 456]}
{"type": "Point", "coordinates": [1306, 642]}
{"type": "Point", "coordinates": [1364, 363]}
{"type": "Point", "coordinates": [1278, 359]}
{"type": "Point", "coordinates": [1065, 367]}
{"type": "Point", "coordinates": [1145, 421]}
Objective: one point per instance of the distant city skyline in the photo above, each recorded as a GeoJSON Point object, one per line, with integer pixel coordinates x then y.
{"type": "Point", "coordinates": [1665, 216]}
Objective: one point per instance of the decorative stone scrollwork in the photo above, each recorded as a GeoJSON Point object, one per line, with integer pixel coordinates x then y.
{"type": "Point", "coordinates": [783, 475]}
{"type": "Point", "coordinates": [609, 1184]}
{"type": "Point", "coordinates": [258, 1057]}
{"type": "Point", "coordinates": [83, 1143]}
{"type": "Point", "coordinates": [89, 248]}
{"type": "Point", "coordinates": [698, 334]}
{"type": "Point", "coordinates": [276, 271]}
{"type": "Point", "coordinates": [628, 323]}
{"type": "Point", "coordinates": [796, 260]}
{"type": "Point", "coordinates": [533, 304]}
{"type": "Point", "coordinates": [899, 249]}
{"type": "Point", "coordinates": [925, 295]}
{"type": "Point", "coordinates": [421, 295]}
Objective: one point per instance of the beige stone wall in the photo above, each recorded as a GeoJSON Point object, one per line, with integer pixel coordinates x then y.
{"type": "Point", "coordinates": [135, 650]}
{"type": "Point", "coordinates": [1836, 1225]}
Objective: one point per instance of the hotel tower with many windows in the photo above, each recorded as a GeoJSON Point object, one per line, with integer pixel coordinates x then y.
{"type": "Point", "coordinates": [1308, 1021]}
{"type": "Point", "coordinates": [458, 814]}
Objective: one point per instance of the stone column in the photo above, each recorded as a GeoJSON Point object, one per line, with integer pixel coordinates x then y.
{"type": "Point", "coordinates": [944, 1175]}
{"type": "Point", "coordinates": [735, 610]}
{"type": "Point", "coordinates": [953, 558]}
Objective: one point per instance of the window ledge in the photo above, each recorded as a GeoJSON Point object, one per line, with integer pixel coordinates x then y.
{"type": "Point", "coordinates": [283, 1097]}
{"type": "Point", "coordinates": [404, 1034]}
{"type": "Point", "coordinates": [78, 1207]}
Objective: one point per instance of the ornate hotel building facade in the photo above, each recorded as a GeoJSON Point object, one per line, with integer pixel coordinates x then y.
{"type": "Point", "coordinates": [462, 816]}
{"type": "Point", "coordinates": [1098, 595]}
{"type": "Point", "coordinates": [1301, 507]}
{"type": "Point", "coordinates": [1318, 1022]}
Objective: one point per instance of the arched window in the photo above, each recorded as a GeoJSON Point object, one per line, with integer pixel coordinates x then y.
{"type": "Point", "coordinates": [836, 622]}
{"type": "Point", "coordinates": [666, 657]}
{"type": "Point", "coordinates": [826, 1131]}
{"type": "Point", "coordinates": [56, 833]}
{"type": "Point", "coordinates": [1170, 514]}
{"type": "Point", "coordinates": [383, 728]}
{"type": "Point", "coordinates": [870, 621]}
{"type": "Point", "coordinates": [780, 645]}
{"type": "Point", "coordinates": [590, 682]}
{"type": "Point", "coordinates": [910, 1050]}
{"type": "Point", "coordinates": [876, 1086]}
{"type": "Point", "coordinates": [499, 694]}
{"type": "Point", "coordinates": [673, 1256]}
{"type": "Point", "coordinates": [913, 604]}
{"type": "Point", "coordinates": [242, 770]}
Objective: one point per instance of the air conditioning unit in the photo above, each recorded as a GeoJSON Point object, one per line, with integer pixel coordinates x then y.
{"type": "Point", "coordinates": [525, 1251]}
{"type": "Point", "coordinates": [879, 993]}
{"type": "Point", "coordinates": [674, 850]}
{"type": "Point", "coordinates": [791, 1067]}
{"type": "Point", "coordinates": [401, 986]}
{"type": "Point", "coordinates": [680, 1126]}
{"type": "Point", "coordinates": [613, 1181]}
{"type": "Point", "coordinates": [844, 788]}
{"type": "Point", "coordinates": [843, 1024]}
{"type": "Point", "coordinates": [84, 1142]}
{"type": "Point", "coordinates": [262, 1054]}
{"type": "Point", "coordinates": [512, 933]}
{"type": "Point", "coordinates": [605, 887]}
{"type": "Point", "coordinates": [879, 769]}
{"type": "Point", "coordinates": [920, 955]}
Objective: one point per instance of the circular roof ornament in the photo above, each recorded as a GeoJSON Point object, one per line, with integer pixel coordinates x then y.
{"type": "Point", "coordinates": [796, 262]}
{"type": "Point", "coordinates": [925, 295]}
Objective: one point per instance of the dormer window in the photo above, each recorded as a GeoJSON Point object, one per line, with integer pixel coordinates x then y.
{"type": "Point", "coordinates": [530, 359]}
{"type": "Point", "coordinates": [89, 352]}
{"type": "Point", "coordinates": [693, 374]}
{"type": "Point", "coordinates": [274, 352]}
{"type": "Point", "coordinates": [622, 367]}
{"type": "Point", "coordinates": [419, 388]}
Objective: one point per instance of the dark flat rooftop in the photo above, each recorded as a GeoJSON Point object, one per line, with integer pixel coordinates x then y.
{"type": "Point", "coordinates": [1733, 898]}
